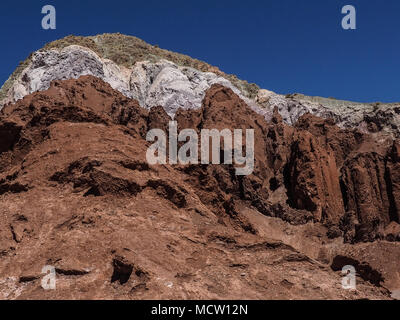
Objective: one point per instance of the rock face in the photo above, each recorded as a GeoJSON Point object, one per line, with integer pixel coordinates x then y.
{"type": "Point", "coordinates": [367, 185]}
{"type": "Point", "coordinates": [77, 193]}
{"type": "Point", "coordinates": [157, 77]}
{"type": "Point", "coordinates": [366, 117]}
{"type": "Point", "coordinates": [312, 180]}
{"type": "Point", "coordinates": [370, 186]}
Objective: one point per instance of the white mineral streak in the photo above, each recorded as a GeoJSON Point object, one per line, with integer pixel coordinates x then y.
{"type": "Point", "coordinates": [171, 86]}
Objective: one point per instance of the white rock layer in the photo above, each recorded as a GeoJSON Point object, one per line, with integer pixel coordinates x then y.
{"type": "Point", "coordinates": [346, 114]}
{"type": "Point", "coordinates": [172, 87]}
{"type": "Point", "coordinates": [152, 84]}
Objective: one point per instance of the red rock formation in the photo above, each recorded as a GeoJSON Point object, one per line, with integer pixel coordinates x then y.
{"type": "Point", "coordinates": [77, 192]}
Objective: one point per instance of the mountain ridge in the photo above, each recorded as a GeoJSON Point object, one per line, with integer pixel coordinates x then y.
{"type": "Point", "coordinates": [126, 52]}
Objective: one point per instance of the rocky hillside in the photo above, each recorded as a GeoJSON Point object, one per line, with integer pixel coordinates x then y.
{"type": "Point", "coordinates": [155, 77]}
{"type": "Point", "coordinates": [76, 192]}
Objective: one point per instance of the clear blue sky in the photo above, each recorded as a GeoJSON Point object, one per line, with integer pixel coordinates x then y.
{"type": "Point", "coordinates": [283, 45]}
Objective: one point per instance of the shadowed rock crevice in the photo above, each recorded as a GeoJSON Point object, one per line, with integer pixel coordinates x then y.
{"type": "Point", "coordinates": [71, 272]}
{"type": "Point", "coordinates": [343, 189]}
{"type": "Point", "coordinates": [17, 187]}
{"type": "Point", "coordinates": [123, 271]}
{"type": "Point", "coordinates": [9, 135]}
{"type": "Point", "coordinates": [26, 279]}
{"type": "Point", "coordinates": [393, 210]}
{"type": "Point", "coordinates": [363, 269]}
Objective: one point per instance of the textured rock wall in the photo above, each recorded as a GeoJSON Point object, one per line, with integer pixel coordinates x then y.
{"type": "Point", "coordinates": [305, 161]}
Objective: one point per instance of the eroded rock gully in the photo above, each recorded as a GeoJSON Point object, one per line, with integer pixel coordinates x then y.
{"type": "Point", "coordinates": [73, 164]}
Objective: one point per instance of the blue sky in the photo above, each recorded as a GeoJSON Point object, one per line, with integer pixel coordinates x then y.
{"type": "Point", "coordinates": [286, 46]}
